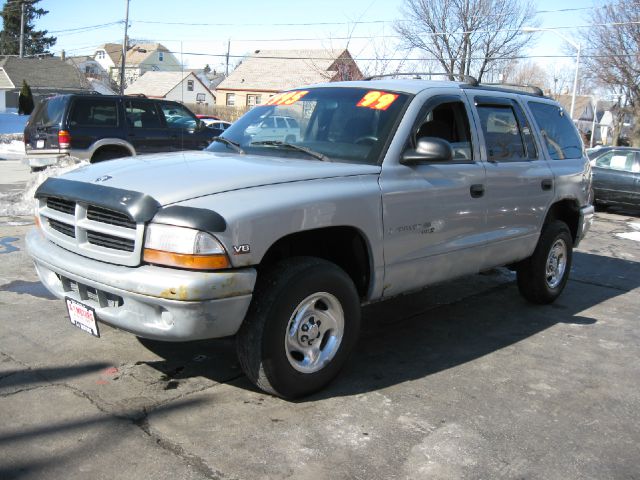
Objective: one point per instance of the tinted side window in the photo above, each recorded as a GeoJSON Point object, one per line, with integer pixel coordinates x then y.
{"type": "Point", "coordinates": [142, 115]}
{"type": "Point", "coordinates": [502, 134]}
{"type": "Point", "coordinates": [177, 116]}
{"type": "Point", "coordinates": [94, 112]}
{"type": "Point", "coordinates": [558, 132]}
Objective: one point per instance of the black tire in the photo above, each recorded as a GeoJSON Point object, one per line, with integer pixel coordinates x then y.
{"type": "Point", "coordinates": [261, 343]}
{"type": "Point", "coordinates": [534, 282]}
{"type": "Point", "coordinates": [102, 155]}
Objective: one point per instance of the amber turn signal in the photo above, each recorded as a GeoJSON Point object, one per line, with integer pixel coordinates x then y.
{"type": "Point", "coordinates": [181, 260]}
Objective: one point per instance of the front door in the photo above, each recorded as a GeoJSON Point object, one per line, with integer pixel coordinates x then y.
{"type": "Point", "coordinates": [145, 129]}
{"type": "Point", "coordinates": [434, 212]}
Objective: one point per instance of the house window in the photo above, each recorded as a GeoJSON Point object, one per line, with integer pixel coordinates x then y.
{"type": "Point", "coordinates": [200, 97]}
{"type": "Point", "coordinates": [253, 100]}
{"type": "Point", "coordinates": [100, 54]}
{"type": "Point", "coordinates": [190, 85]}
{"type": "Point", "coordinates": [231, 99]}
{"type": "Point", "coordinates": [160, 56]}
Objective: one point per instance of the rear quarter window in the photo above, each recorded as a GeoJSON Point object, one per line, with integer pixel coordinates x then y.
{"type": "Point", "coordinates": [558, 132]}
{"type": "Point", "coordinates": [94, 112]}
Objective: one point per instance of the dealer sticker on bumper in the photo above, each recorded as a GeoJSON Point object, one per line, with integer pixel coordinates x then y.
{"type": "Point", "coordinates": [82, 316]}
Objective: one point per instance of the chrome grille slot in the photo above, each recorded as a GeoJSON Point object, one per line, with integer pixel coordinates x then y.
{"type": "Point", "coordinates": [111, 217]}
{"type": "Point", "coordinates": [62, 227]}
{"type": "Point", "coordinates": [110, 241]}
{"type": "Point", "coordinates": [85, 292]}
{"type": "Point", "coordinates": [61, 205]}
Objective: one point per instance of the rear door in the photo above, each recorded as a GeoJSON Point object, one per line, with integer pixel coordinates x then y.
{"type": "Point", "coordinates": [146, 129]}
{"type": "Point", "coordinates": [519, 185]}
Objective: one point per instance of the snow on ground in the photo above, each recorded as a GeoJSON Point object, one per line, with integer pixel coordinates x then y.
{"type": "Point", "coordinates": [11, 122]}
{"type": "Point", "coordinates": [11, 148]}
{"type": "Point", "coordinates": [634, 234]}
{"type": "Point", "coordinates": [15, 204]}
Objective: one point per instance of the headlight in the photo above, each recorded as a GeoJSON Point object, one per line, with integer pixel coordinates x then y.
{"type": "Point", "coordinates": [184, 248]}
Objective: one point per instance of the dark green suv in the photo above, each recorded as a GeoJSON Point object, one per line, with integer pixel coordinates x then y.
{"type": "Point", "coordinates": [101, 127]}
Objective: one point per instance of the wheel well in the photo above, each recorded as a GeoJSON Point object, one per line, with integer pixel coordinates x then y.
{"type": "Point", "coordinates": [110, 151]}
{"type": "Point", "coordinates": [344, 246]}
{"type": "Point", "coordinates": [568, 212]}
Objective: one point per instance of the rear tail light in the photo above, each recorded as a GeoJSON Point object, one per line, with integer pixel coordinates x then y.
{"type": "Point", "coordinates": [64, 139]}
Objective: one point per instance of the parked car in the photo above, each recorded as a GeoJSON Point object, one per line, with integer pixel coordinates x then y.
{"type": "Point", "coordinates": [390, 186]}
{"type": "Point", "coordinates": [616, 177]}
{"type": "Point", "coordinates": [97, 128]}
{"type": "Point", "coordinates": [216, 124]}
{"type": "Point", "coordinates": [274, 127]}
{"type": "Point", "coordinates": [202, 116]}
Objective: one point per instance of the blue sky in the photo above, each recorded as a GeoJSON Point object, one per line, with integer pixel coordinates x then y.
{"type": "Point", "coordinates": [253, 25]}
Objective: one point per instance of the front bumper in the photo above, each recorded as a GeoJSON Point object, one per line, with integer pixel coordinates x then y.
{"type": "Point", "coordinates": [37, 159]}
{"type": "Point", "coordinates": [151, 302]}
{"type": "Point", "coordinates": [584, 223]}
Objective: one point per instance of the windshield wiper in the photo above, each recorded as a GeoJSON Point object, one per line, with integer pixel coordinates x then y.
{"type": "Point", "coordinates": [226, 141]}
{"type": "Point", "coordinates": [292, 146]}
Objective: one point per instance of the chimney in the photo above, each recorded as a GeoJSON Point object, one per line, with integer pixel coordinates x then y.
{"type": "Point", "coordinates": [63, 56]}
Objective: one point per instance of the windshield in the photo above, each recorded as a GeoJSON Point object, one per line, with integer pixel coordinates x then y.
{"type": "Point", "coordinates": [336, 124]}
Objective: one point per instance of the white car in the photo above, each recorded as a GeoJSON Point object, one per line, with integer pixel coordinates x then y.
{"type": "Point", "coordinates": [285, 129]}
{"type": "Point", "coordinates": [216, 124]}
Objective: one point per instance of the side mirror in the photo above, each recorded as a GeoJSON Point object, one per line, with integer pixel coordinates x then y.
{"type": "Point", "coordinates": [429, 149]}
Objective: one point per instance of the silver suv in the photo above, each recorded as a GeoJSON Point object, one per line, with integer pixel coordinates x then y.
{"type": "Point", "coordinates": [390, 186]}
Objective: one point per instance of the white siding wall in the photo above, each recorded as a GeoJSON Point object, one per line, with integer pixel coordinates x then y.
{"type": "Point", "coordinates": [182, 94]}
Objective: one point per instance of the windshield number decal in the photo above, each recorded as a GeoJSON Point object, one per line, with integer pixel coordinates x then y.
{"type": "Point", "coordinates": [287, 98]}
{"type": "Point", "coordinates": [377, 100]}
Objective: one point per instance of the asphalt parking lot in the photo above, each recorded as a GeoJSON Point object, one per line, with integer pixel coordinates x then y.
{"type": "Point", "coordinates": [462, 380]}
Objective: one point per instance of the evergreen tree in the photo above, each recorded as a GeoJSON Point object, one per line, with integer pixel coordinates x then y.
{"type": "Point", "coordinates": [207, 69]}
{"type": "Point", "coordinates": [25, 100]}
{"type": "Point", "coordinates": [36, 42]}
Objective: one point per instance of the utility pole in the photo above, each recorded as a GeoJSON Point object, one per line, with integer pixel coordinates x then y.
{"type": "Point", "coordinates": [226, 72]}
{"type": "Point", "coordinates": [22, 31]}
{"type": "Point", "coordinates": [124, 48]}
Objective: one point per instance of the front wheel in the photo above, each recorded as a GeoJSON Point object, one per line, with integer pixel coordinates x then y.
{"type": "Point", "coordinates": [303, 322]}
{"type": "Point", "coordinates": [543, 276]}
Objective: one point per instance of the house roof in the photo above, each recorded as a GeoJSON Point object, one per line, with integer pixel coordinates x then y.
{"type": "Point", "coordinates": [114, 50]}
{"type": "Point", "coordinates": [47, 72]}
{"type": "Point", "coordinates": [140, 52]}
{"type": "Point", "coordinates": [580, 109]}
{"type": "Point", "coordinates": [158, 84]}
{"type": "Point", "coordinates": [275, 70]}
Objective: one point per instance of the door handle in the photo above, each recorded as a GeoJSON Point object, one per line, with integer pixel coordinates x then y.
{"type": "Point", "coordinates": [477, 190]}
{"type": "Point", "coordinates": [546, 184]}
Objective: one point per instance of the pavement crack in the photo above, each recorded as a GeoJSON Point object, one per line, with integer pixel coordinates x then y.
{"type": "Point", "coordinates": [194, 461]}
{"type": "Point", "coordinates": [603, 285]}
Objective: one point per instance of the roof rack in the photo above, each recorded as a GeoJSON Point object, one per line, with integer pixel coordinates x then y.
{"type": "Point", "coordinates": [526, 88]}
{"type": "Point", "coordinates": [418, 76]}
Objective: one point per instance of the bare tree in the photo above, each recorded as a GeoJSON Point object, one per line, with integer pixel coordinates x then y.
{"type": "Point", "coordinates": [466, 36]}
{"type": "Point", "coordinates": [527, 73]}
{"type": "Point", "coordinates": [615, 36]}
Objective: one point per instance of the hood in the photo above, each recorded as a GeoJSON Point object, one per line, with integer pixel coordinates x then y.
{"type": "Point", "coordinates": [180, 176]}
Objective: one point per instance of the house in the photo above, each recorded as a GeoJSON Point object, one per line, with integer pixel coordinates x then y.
{"type": "Point", "coordinates": [94, 72]}
{"type": "Point", "coordinates": [45, 76]}
{"type": "Point", "coordinates": [584, 117]}
{"type": "Point", "coordinates": [140, 58]}
{"type": "Point", "coordinates": [267, 72]}
{"type": "Point", "coordinates": [183, 87]}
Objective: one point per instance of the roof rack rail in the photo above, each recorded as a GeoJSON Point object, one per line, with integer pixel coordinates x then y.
{"type": "Point", "coordinates": [527, 88]}
{"type": "Point", "coordinates": [418, 76]}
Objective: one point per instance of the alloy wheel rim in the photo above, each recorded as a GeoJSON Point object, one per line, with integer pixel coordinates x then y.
{"type": "Point", "coordinates": [556, 263]}
{"type": "Point", "coordinates": [314, 332]}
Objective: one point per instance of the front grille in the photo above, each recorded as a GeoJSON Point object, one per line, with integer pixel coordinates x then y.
{"type": "Point", "coordinates": [110, 241]}
{"type": "Point", "coordinates": [63, 228]}
{"type": "Point", "coordinates": [91, 230]}
{"type": "Point", "coordinates": [85, 292]}
{"type": "Point", "coordinates": [111, 217]}
{"type": "Point", "coordinates": [61, 205]}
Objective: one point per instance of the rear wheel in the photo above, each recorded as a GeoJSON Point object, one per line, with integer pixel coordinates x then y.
{"type": "Point", "coordinates": [543, 276]}
{"type": "Point", "coordinates": [109, 154]}
{"type": "Point", "coordinates": [303, 322]}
